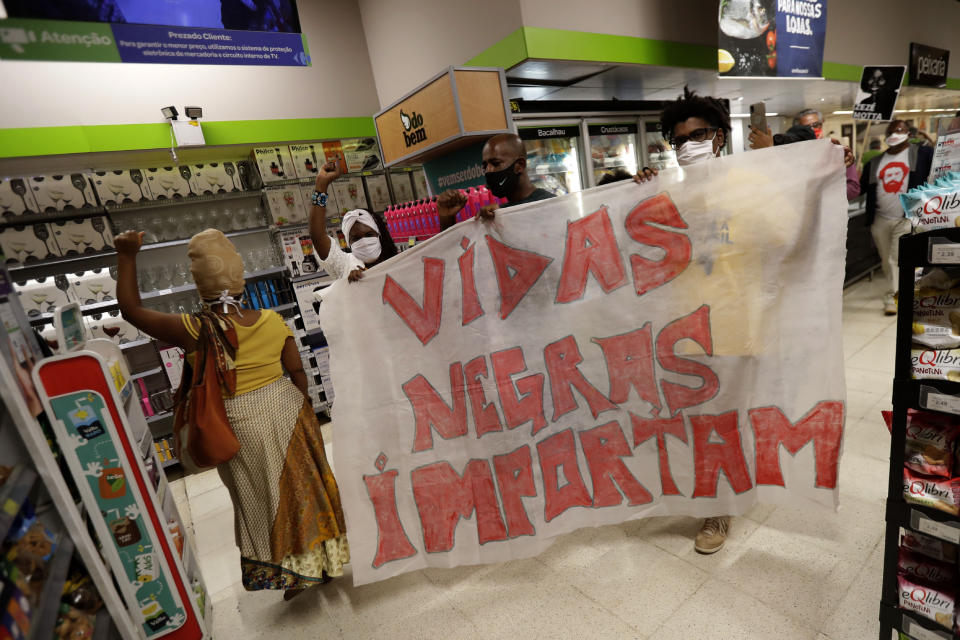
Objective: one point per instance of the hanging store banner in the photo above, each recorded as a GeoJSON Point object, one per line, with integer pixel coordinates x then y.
{"type": "Point", "coordinates": [878, 93]}
{"type": "Point", "coordinates": [624, 352]}
{"type": "Point", "coordinates": [25, 39]}
{"type": "Point", "coordinates": [772, 38]}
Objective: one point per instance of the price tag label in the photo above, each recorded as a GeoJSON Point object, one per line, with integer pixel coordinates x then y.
{"type": "Point", "coordinates": [944, 253]}
{"type": "Point", "coordinates": [163, 292]}
{"type": "Point", "coordinates": [940, 530]}
{"type": "Point", "coordinates": [914, 630]}
{"type": "Point", "coordinates": [943, 402]}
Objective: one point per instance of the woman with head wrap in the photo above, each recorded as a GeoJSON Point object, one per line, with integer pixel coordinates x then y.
{"type": "Point", "coordinates": [289, 523]}
{"type": "Point", "coordinates": [367, 236]}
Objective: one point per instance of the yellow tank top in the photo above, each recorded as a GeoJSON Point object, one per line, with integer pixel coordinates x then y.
{"type": "Point", "coordinates": [258, 349]}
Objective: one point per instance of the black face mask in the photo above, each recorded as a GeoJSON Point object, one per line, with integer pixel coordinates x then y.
{"type": "Point", "coordinates": [502, 183]}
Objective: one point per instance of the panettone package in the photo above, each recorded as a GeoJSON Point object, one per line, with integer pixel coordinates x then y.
{"type": "Point", "coordinates": [931, 442]}
{"type": "Point", "coordinates": [929, 546]}
{"type": "Point", "coordinates": [930, 491]}
{"type": "Point", "coordinates": [936, 318]}
{"type": "Point", "coordinates": [935, 364]}
{"type": "Point", "coordinates": [934, 603]}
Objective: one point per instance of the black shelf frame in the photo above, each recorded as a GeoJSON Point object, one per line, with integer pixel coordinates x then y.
{"type": "Point", "coordinates": [915, 252]}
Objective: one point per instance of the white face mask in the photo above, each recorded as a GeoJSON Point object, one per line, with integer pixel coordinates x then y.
{"type": "Point", "coordinates": [367, 250]}
{"type": "Point", "coordinates": [896, 138]}
{"type": "Point", "coordinates": [693, 152]}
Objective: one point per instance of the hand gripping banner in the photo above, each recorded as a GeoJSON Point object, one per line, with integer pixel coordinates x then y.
{"type": "Point", "coordinates": [624, 352]}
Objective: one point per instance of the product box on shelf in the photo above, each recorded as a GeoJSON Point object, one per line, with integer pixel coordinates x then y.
{"type": "Point", "coordinates": [298, 253]}
{"type": "Point", "coordinates": [56, 193]}
{"type": "Point", "coordinates": [172, 182]}
{"type": "Point", "coordinates": [402, 187]}
{"type": "Point", "coordinates": [350, 193]}
{"type": "Point", "coordinates": [307, 159]}
{"type": "Point", "coordinates": [113, 327]}
{"type": "Point", "coordinates": [305, 299]}
{"type": "Point", "coordinates": [43, 295]}
{"type": "Point", "coordinates": [285, 205]}
{"type": "Point", "coordinates": [420, 189]}
{"type": "Point", "coordinates": [172, 358]}
{"type": "Point", "coordinates": [28, 243]}
{"type": "Point", "coordinates": [16, 199]}
{"type": "Point", "coordinates": [274, 164]}
{"type": "Point", "coordinates": [91, 287]}
{"type": "Point", "coordinates": [76, 237]}
{"type": "Point", "coordinates": [361, 154]}
{"type": "Point", "coordinates": [379, 192]}
{"type": "Point", "coordinates": [217, 177]}
{"type": "Point", "coordinates": [249, 175]}
{"type": "Point", "coordinates": [121, 186]}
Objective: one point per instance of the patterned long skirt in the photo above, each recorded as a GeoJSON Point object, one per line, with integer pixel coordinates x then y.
{"type": "Point", "coordinates": [288, 519]}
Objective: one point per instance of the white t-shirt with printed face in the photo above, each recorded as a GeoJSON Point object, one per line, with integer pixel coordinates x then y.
{"type": "Point", "coordinates": [893, 177]}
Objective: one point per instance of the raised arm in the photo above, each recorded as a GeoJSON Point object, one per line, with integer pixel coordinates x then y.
{"type": "Point", "coordinates": [318, 214]}
{"type": "Point", "coordinates": [165, 326]}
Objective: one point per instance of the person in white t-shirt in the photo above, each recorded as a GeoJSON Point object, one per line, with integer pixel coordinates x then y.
{"type": "Point", "coordinates": [901, 167]}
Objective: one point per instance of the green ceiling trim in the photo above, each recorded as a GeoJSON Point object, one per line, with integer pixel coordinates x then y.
{"type": "Point", "coordinates": [559, 44]}
{"type": "Point", "coordinates": [507, 53]}
{"type": "Point", "coordinates": [42, 141]}
{"type": "Point", "coordinates": [842, 72]}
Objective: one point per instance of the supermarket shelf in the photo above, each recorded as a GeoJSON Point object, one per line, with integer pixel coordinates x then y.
{"type": "Point", "coordinates": [314, 338]}
{"type": "Point", "coordinates": [145, 374]}
{"type": "Point", "coordinates": [933, 248]}
{"type": "Point", "coordinates": [101, 626]}
{"type": "Point", "coordinates": [166, 464]}
{"type": "Point", "coordinates": [12, 494]}
{"type": "Point", "coordinates": [912, 624]}
{"type": "Point", "coordinates": [178, 202]}
{"type": "Point", "coordinates": [59, 216]}
{"type": "Point", "coordinates": [282, 183]}
{"type": "Point", "coordinates": [935, 395]}
{"type": "Point", "coordinates": [69, 262]}
{"type": "Point", "coordinates": [283, 308]}
{"type": "Point", "coordinates": [45, 616]}
{"type": "Point", "coordinates": [135, 344]}
{"type": "Point", "coordinates": [184, 241]}
{"type": "Point", "coordinates": [186, 288]}
{"type": "Point", "coordinates": [926, 520]}
{"type": "Point", "coordinates": [310, 276]}
{"type": "Point", "coordinates": [87, 309]}
{"type": "Point", "coordinates": [158, 417]}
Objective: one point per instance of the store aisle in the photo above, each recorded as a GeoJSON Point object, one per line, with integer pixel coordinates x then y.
{"type": "Point", "coordinates": [804, 574]}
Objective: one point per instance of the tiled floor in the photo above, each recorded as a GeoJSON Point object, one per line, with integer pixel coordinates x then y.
{"type": "Point", "coordinates": [788, 574]}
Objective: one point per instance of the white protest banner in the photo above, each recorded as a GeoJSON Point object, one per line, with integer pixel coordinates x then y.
{"type": "Point", "coordinates": [624, 352]}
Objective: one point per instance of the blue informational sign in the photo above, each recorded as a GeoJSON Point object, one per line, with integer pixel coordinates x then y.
{"type": "Point", "coordinates": [801, 29]}
{"type": "Point", "coordinates": [187, 45]}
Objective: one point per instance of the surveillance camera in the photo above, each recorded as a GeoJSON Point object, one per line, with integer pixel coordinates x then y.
{"type": "Point", "coordinates": [193, 112]}
{"type": "Point", "coordinates": [170, 113]}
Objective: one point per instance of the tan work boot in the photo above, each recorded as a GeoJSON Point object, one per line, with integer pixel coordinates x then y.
{"type": "Point", "coordinates": [712, 534]}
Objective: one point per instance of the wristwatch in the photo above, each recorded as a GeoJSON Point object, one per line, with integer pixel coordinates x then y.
{"type": "Point", "coordinates": [319, 199]}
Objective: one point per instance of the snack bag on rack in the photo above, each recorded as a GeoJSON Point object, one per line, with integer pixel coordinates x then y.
{"type": "Point", "coordinates": [936, 318]}
{"type": "Point", "coordinates": [940, 278]}
{"type": "Point", "coordinates": [932, 208]}
{"type": "Point", "coordinates": [924, 570]}
{"type": "Point", "coordinates": [931, 442]}
{"type": "Point", "coordinates": [937, 604]}
{"type": "Point", "coordinates": [929, 546]}
{"type": "Point", "coordinates": [928, 491]}
{"type": "Point", "coordinates": [935, 364]}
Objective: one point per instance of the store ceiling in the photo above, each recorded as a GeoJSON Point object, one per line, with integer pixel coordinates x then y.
{"type": "Point", "coordinates": [560, 80]}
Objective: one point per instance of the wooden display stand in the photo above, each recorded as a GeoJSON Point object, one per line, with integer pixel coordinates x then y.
{"type": "Point", "coordinates": [458, 107]}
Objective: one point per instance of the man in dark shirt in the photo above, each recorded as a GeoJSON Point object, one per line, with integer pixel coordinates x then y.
{"type": "Point", "coordinates": [504, 165]}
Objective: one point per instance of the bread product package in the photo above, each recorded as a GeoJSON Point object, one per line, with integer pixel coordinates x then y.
{"type": "Point", "coordinates": [929, 546]}
{"type": "Point", "coordinates": [924, 570]}
{"type": "Point", "coordinates": [931, 443]}
{"type": "Point", "coordinates": [929, 491]}
{"type": "Point", "coordinates": [934, 603]}
{"type": "Point", "coordinates": [933, 208]}
{"type": "Point", "coordinates": [935, 364]}
{"type": "Point", "coordinates": [936, 318]}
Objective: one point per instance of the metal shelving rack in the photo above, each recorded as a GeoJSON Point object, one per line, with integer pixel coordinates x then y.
{"type": "Point", "coordinates": [931, 249]}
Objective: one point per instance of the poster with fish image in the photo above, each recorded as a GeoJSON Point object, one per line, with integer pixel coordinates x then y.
{"type": "Point", "coordinates": [771, 38]}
